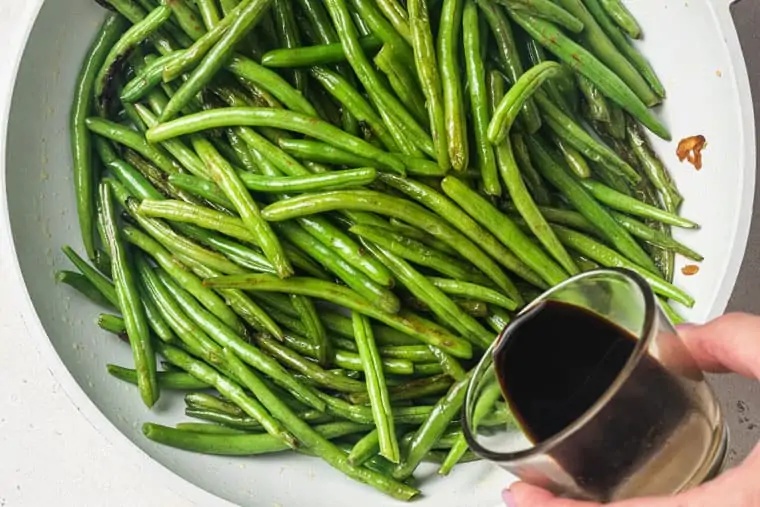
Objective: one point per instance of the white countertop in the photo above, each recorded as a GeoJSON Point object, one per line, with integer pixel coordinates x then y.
{"type": "Point", "coordinates": [50, 454]}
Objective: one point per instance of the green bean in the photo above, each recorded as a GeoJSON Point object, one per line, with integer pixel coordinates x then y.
{"type": "Point", "coordinates": [638, 229]}
{"type": "Point", "coordinates": [529, 174]}
{"type": "Point", "coordinates": [342, 90]}
{"type": "Point", "coordinates": [621, 202]}
{"type": "Point", "coordinates": [231, 390]}
{"type": "Point", "coordinates": [236, 252]}
{"type": "Point", "coordinates": [235, 444]}
{"type": "Point", "coordinates": [226, 337]}
{"type": "Point", "coordinates": [119, 51]}
{"type": "Point", "coordinates": [381, 297]}
{"type": "Point", "coordinates": [587, 64]}
{"type": "Point", "coordinates": [673, 316]}
{"type": "Point", "coordinates": [242, 304]}
{"type": "Point", "coordinates": [101, 283]}
{"type": "Point", "coordinates": [209, 429]}
{"type": "Point", "coordinates": [652, 166]}
{"type": "Point", "coordinates": [510, 173]}
{"type": "Point", "coordinates": [440, 304]}
{"type": "Point", "coordinates": [512, 103]}
{"type": "Point", "coordinates": [324, 33]}
{"type": "Point", "coordinates": [270, 160]}
{"type": "Point", "coordinates": [230, 183]}
{"type": "Point", "coordinates": [333, 237]}
{"type": "Point", "coordinates": [312, 371]}
{"type": "Point", "coordinates": [384, 335]}
{"type": "Point", "coordinates": [509, 57]}
{"type": "Point", "coordinates": [364, 449]}
{"type": "Point", "coordinates": [595, 38]}
{"type": "Point", "coordinates": [329, 181]}
{"type": "Point", "coordinates": [398, 17]}
{"type": "Point", "coordinates": [288, 36]}
{"type": "Point", "coordinates": [428, 73]}
{"type": "Point", "coordinates": [637, 60]}
{"type": "Point", "coordinates": [401, 43]}
{"type": "Point", "coordinates": [474, 291]}
{"type": "Point", "coordinates": [447, 439]}
{"type": "Point", "coordinates": [417, 252]}
{"type": "Point", "coordinates": [547, 10]}
{"type": "Point", "coordinates": [597, 104]}
{"type": "Point", "coordinates": [135, 141]}
{"type": "Point", "coordinates": [248, 424]}
{"type": "Point", "coordinates": [202, 188]}
{"type": "Point", "coordinates": [265, 117]}
{"type": "Point", "coordinates": [608, 257]}
{"type": "Point", "coordinates": [180, 273]}
{"type": "Point", "coordinates": [348, 298]}
{"type": "Point", "coordinates": [421, 236]}
{"type": "Point", "coordinates": [325, 153]}
{"type": "Point", "coordinates": [216, 57]}
{"type": "Point", "coordinates": [175, 147]}
{"type": "Point", "coordinates": [450, 27]}
{"type": "Point", "coordinates": [380, 402]}
{"type": "Point", "coordinates": [111, 323]}
{"type": "Point", "coordinates": [413, 353]}
{"type": "Point", "coordinates": [166, 379]}
{"type": "Point", "coordinates": [403, 82]}
{"type": "Point", "coordinates": [242, 423]}
{"type": "Point", "coordinates": [589, 207]}
{"type": "Point", "coordinates": [313, 327]}
{"type": "Point", "coordinates": [565, 98]}
{"type": "Point", "coordinates": [448, 364]}
{"type": "Point", "coordinates": [188, 20]}
{"type": "Point", "coordinates": [350, 360]}
{"type": "Point", "coordinates": [209, 219]}
{"type": "Point", "coordinates": [315, 55]}
{"type": "Point", "coordinates": [131, 178]}
{"type": "Point", "coordinates": [384, 100]}
{"type": "Point", "coordinates": [491, 394]}
{"type": "Point", "coordinates": [134, 13]}
{"type": "Point", "coordinates": [471, 229]}
{"type": "Point", "coordinates": [568, 130]}
{"type": "Point", "coordinates": [415, 389]}
{"type": "Point", "coordinates": [383, 204]}
{"type": "Point", "coordinates": [315, 442]}
{"type": "Point", "coordinates": [129, 302]}
{"type": "Point", "coordinates": [616, 10]}
{"type": "Point", "coordinates": [573, 158]}
{"type": "Point", "coordinates": [505, 230]}
{"type": "Point", "coordinates": [156, 320]}
{"type": "Point", "coordinates": [209, 13]}
{"type": "Point", "coordinates": [479, 98]}
{"type": "Point", "coordinates": [209, 402]}
{"type": "Point", "coordinates": [190, 57]}
{"type": "Point", "coordinates": [189, 332]}
{"type": "Point", "coordinates": [81, 140]}
{"type": "Point", "coordinates": [83, 285]}
{"type": "Point", "coordinates": [498, 319]}
{"type": "Point", "coordinates": [428, 434]}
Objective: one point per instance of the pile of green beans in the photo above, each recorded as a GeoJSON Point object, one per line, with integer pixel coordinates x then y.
{"type": "Point", "coordinates": [315, 217]}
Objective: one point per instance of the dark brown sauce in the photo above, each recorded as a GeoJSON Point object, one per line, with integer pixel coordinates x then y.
{"type": "Point", "coordinates": [556, 361]}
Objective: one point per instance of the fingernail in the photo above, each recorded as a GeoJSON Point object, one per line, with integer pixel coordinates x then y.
{"type": "Point", "coordinates": [509, 498]}
{"type": "Point", "coordinates": [685, 326]}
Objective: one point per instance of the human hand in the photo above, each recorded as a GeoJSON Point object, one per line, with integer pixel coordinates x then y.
{"type": "Point", "coordinates": [728, 344]}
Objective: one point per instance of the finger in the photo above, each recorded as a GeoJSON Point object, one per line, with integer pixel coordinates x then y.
{"type": "Point", "coordinates": [525, 495]}
{"type": "Point", "coordinates": [729, 343]}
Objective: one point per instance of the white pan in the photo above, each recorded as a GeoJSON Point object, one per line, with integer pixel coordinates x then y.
{"type": "Point", "coordinates": [694, 47]}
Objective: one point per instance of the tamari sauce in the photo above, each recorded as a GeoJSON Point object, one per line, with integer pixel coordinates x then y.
{"type": "Point", "coordinates": [556, 361]}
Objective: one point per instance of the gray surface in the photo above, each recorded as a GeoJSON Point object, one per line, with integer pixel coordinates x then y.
{"type": "Point", "coordinates": [738, 395]}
